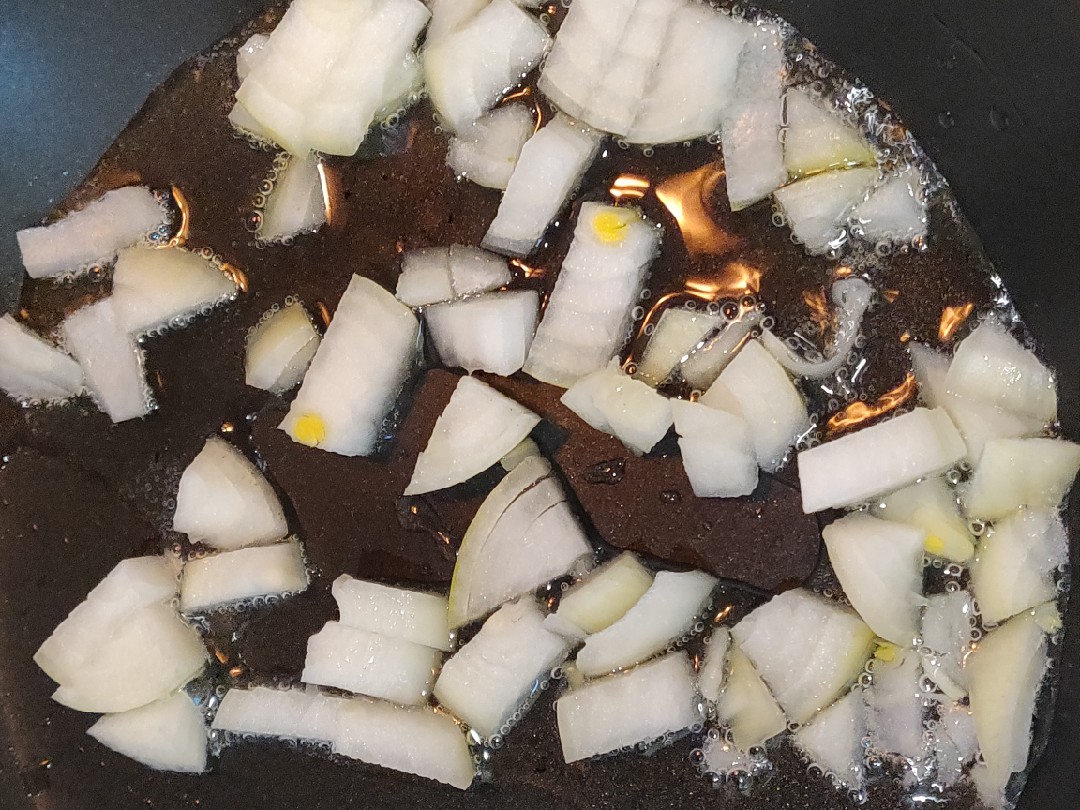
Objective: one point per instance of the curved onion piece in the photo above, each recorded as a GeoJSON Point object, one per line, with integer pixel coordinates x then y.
{"type": "Point", "coordinates": [930, 505]}
{"type": "Point", "coordinates": [678, 332]}
{"type": "Point", "coordinates": [819, 140]}
{"type": "Point", "coordinates": [279, 349]}
{"type": "Point", "coordinates": [747, 705]}
{"type": "Point", "coordinates": [603, 598]}
{"type": "Point", "coordinates": [166, 735]}
{"type": "Point", "coordinates": [31, 368]}
{"type": "Point", "coordinates": [231, 576]}
{"type": "Point", "coordinates": [487, 151]}
{"type": "Point", "coordinates": [297, 203]}
{"type": "Point", "coordinates": [852, 297]}
{"type": "Point", "coordinates": [701, 368]}
{"type": "Point", "coordinates": [833, 740]}
{"type": "Point", "coordinates": [298, 714]}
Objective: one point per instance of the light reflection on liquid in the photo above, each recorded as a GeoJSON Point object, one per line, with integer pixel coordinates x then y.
{"type": "Point", "coordinates": [687, 197]}
{"type": "Point", "coordinates": [629, 187]}
{"type": "Point", "coordinates": [181, 235]}
{"type": "Point", "coordinates": [527, 270]}
{"type": "Point", "coordinates": [238, 277]}
{"type": "Point", "coordinates": [734, 280]}
{"type": "Point", "coordinates": [820, 313]}
{"type": "Point", "coordinates": [324, 313]}
{"type": "Point", "coordinates": [526, 94]}
{"type": "Point", "coordinates": [324, 186]}
{"type": "Point", "coordinates": [952, 318]}
{"type": "Point", "coordinates": [858, 413]}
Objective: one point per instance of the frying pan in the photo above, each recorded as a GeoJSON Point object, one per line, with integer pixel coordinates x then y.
{"type": "Point", "coordinates": [987, 88]}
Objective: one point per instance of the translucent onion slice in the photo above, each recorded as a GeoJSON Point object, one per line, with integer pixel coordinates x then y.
{"type": "Point", "coordinates": [1004, 675]}
{"type": "Point", "coordinates": [930, 505]}
{"type": "Point", "coordinates": [370, 664]}
{"type": "Point", "coordinates": [232, 576]}
{"type": "Point", "coordinates": [524, 535]}
{"type": "Point", "coordinates": [548, 170]}
{"type": "Point", "coordinates": [852, 298]}
{"type": "Point", "coordinates": [711, 677]}
{"type": "Point", "coordinates": [603, 597]}
{"type": "Point", "coordinates": [704, 364]}
{"type": "Point", "coordinates": [895, 706]}
{"type": "Point", "coordinates": [590, 309]}
{"type": "Point", "coordinates": [394, 612]}
{"type": "Point", "coordinates": [294, 714]}
{"type": "Point", "coordinates": [664, 613]}
{"type": "Point", "coordinates": [279, 349]}
{"type": "Point", "coordinates": [931, 368]}
{"type": "Point", "coordinates": [806, 648]}
{"type": "Point", "coordinates": [412, 740]}
{"type": "Point", "coordinates": [877, 459]}
{"type": "Point", "coordinates": [955, 744]}
{"type": "Point", "coordinates": [615, 403]}
{"type": "Point", "coordinates": [879, 565]}
{"type": "Point", "coordinates": [746, 705]}
{"type": "Point", "coordinates": [33, 369]}
{"type": "Point", "coordinates": [477, 427]}
{"type": "Point", "coordinates": [486, 152]}
{"type": "Point", "coordinates": [990, 365]}
{"type": "Point", "coordinates": [357, 373]}
{"type": "Point", "coordinates": [755, 387]}
{"type": "Point", "coordinates": [895, 211]}
{"type": "Point", "coordinates": [225, 502]}
{"type": "Point", "coordinates": [1015, 566]}
{"type": "Point", "coordinates": [493, 675]}
{"type": "Point", "coordinates": [833, 740]}
{"type": "Point", "coordinates": [753, 153]}
{"type": "Point", "coordinates": [1020, 472]}
{"type": "Point", "coordinates": [470, 68]}
{"type": "Point", "coordinates": [249, 54]}
{"type": "Point", "coordinates": [640, 705]}
{"type": "Point", "coordinates": [946, 636]}
{"type": "Point", "coordinates": [297, 203]}
{"type": "Point", "coordinates": [678, 332]}
{"type": "Point", "coordinates": [166, 735]}
{"type": "Point", "coordinates": [93, 234]}
{"type": "Point", "coordinates": [487, 333]}
{"type": "Point", "coordinates": [819, 140]}
{"type": "Point", "coordinates": [816, 207]}
{"type": "Point", "coordinates": [717, 450]}
{"type": "Point", "coordinates": [111, 360]}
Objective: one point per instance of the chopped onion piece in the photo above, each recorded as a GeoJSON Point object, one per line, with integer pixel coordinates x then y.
{"type": "Point", "coordinates": [806, 648]}
{"type": "Point", "coordinates": [663, 613]}
{"type": "Point", "coordinates": [879, 565]}
{"type": "Point", "coordinates": [548, 170]}
{"type": "Point", "coordinates": [493, 675]}
{"type": "Point", "coordinates": [110, 358]}
{"type": "Point", "coordinates": [946, 637]}
{"type": "Point", "coordinates": [640, 705]}
{"type": "Point", "coordinates": [710, 679]}
{"type": "Point", "coordinates": [225, 502]}
{"type": "Point", "coordinates": [153, 288]}
{"type": "Point", "coordinates": [297, 203]}
{"type": "Point", "coordinates": [415, 740]}
{"type": "Point", "coordinates": [356, 374]}
{"type": "Point", "coordinates": [132, 584]}
{"type": "Point", "coordinates": [166, 735]}
{"type": "Point", "coordinates": [1016, 561]}
{"type": "Point", "coordinates": [523, 535]}
{"type": "Point", "coordinates": [931, 368]}
{"type": "Point", "coordinates": [930, 505]}
{"type": "Point", "coordinates": [606, 595]}
{"type": "Point", "coordinates": [473, 270]}
{"type": "Point", "coordinates": [280, 348]}
{"type": "Point", "coordinates": [746, 705]}
{"type": "Point", "coordinates": [877, 459]}
{"type": "Point", "coordinates": [33, 369]}
{"type": "Point", "coordinates": [1004, 674]}
{"type": "Point", "coordinates": [979, 422]}
{"type": "Point", "coordinates": [477, 427]}
{"type": "Point", "coordinates": [488, 333]}
{"type": "Point", "coordinates": [990, 365]}
{"type": "Point", "coordinates": [717, 450]}
{"type": "Point", "coordinates": [833, 740]}
{"type": "Point", "coordinates": [524, 449]}
{"type": "Point", "coordinates": [955, 744]}
{"type": "Point", "coordinates": [370, 664]}
{"type": "Point", "coordinates": [852, 297]}
{"type": "Point", "coordinates": [394, 612]}
{"type": "Point", "coordinates": [470, 68]}
{"type": "Point", "coordinates": [704, 365]}
{"type": "Point", "coordinates": [753, 153]}
{"type": "Point", "coordinates": [755, 387]}
{"type": "Point", "coordinates": [895, 706]}
{"type": "Point", "coordinates": [449, 15]}
{"type": "Point", "coordinates": [231, 576]}
{"type": "Point", "coordinates": [1020, 472]}
{"type": "Point", "coordinates": [297, 714]}
{"type": "Point", "coordinates": [678, 332]}
{"type": "Point", "coordinates": [117, 219]}
{"type": "Point", "coordinates": [818, 139]}
{"type": "Point", "coordinates": [895, 211]}
{"type": "Point", "coordinates": [590, 309]}
{"type": "Point", "coordinates": [617, 404]}
{"type": "Point", "coordinates": [146, 656]}
{"type": "Point", "coordinates": [249, 54]}
{"type": "Point", "coordinates": [425, 277]}
{"type": "Point", "coordinates": [487, 151]}
{"type": "Point", "coordinates": [816, 207]}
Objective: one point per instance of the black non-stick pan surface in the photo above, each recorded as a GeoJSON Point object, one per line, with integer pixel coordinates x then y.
{"type": "Point", "coordinates": [988, 88]}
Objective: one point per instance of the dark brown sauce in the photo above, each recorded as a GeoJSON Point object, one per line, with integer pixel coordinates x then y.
{"type": "Point", "coordinates": [79, 494]}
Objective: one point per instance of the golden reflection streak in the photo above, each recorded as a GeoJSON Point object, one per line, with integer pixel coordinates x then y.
{"type": "Point", "coordinates": [527, 270]}
{"type": "Point", "coordinates": [820, 313]}
{"type": "Point", "coordinates": [952, 318]}
{"type": "Point", "coordinates": [324, 313]}
{"type": "Point", "coordinates": [735, 279]}
{"type": "Point", "coordinates": [857, 413]}
{"type": "Point", "coordinates": [686, 197]}
{"type": "Point", "coordinates": [238, 277]}
{"type": "Point", "coordinates": [629, 186]}
{"type": "Point", "coordinates": [180, 237]}
{"type": "Point", "coordinates": [324, 186]}
{"type": "Point", "coordinates": [526, 93]}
